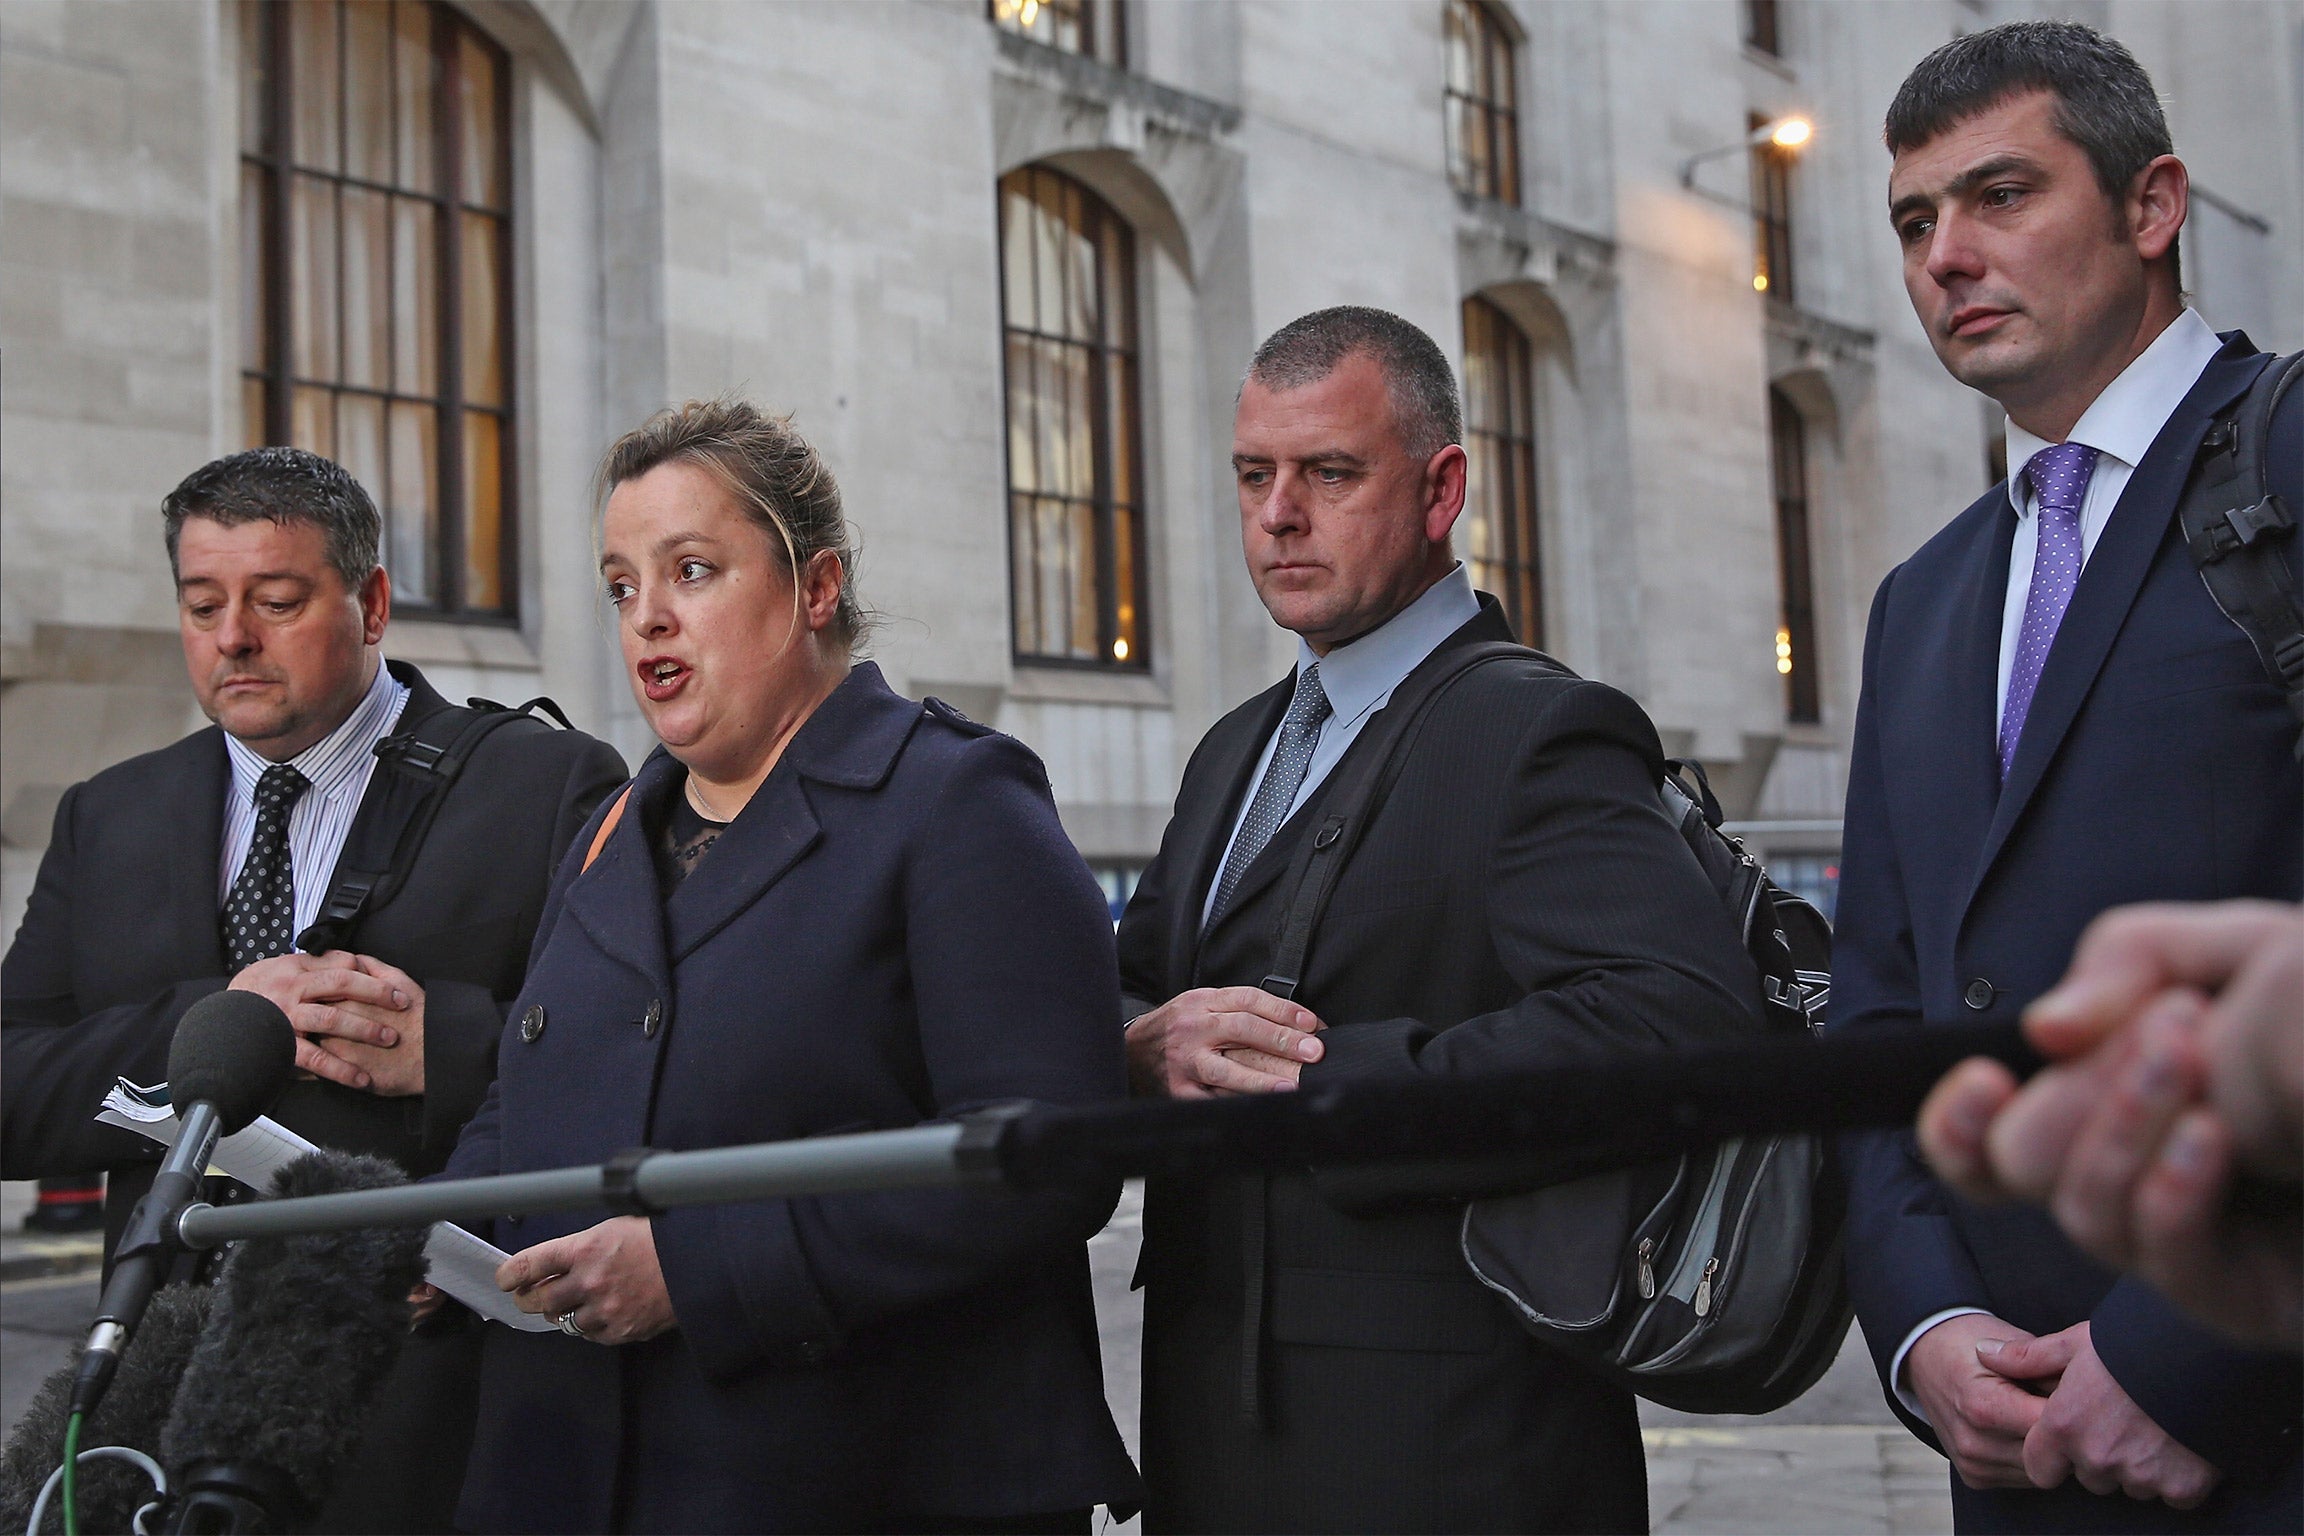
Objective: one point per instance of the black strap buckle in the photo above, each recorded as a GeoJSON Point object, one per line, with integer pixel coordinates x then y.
{"type": "Point", "coordinates": [2239, 528]}
{"type": "Point", "coordinates": [410, 751]}
{"type": "Point", "coordinates": [620, 1183]}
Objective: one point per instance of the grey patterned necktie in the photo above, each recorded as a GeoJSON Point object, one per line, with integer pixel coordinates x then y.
{"type": "Point", "coordinates": [260, 912]}
{"type": "Point", "coordinates": [1299, 733]}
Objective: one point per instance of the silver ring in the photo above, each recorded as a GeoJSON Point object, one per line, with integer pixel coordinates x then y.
{"type": "Point", "coordinates": [567, 1323]}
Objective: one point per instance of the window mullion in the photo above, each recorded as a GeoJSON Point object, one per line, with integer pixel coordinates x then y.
{"type": "Point", "coordinates": [448, 557]}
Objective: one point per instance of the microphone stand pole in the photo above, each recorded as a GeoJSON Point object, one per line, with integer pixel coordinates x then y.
{"type": "Point", "coordinates": [1560, 1123]}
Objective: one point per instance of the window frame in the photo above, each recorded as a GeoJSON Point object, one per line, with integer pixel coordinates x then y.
{"type": "Point", "coordinates": [1764, 27]}
{"type": "Point", "coordinates": [1795, 561]}
{"type": "Point", "coordinates": [277, 169]}
{"type": "Point", "coordinates": [1111, 49]}
{"type": "Point", "coordinates": [1098, 217]}
{"type": "Point", "coordinates": [1772, 217]}
{"type": "Point", "coordinates": [1519, 525]}
{"type": "Point", "coordinates": [1496, 67]}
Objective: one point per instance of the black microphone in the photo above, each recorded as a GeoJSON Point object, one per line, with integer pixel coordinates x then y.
{"type": "Point", "coordinates": [231, 1056]}
{"type": "Point", "coordinates": [304, 1330]}
{"type": "Point", "coordinates": [134, 1413]}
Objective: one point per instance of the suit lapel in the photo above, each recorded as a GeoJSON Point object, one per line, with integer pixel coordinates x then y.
{"type": "Point", "coordinates": [2107, 589]}
{"type": "Point", "coordinates": [1205, 821]}
{"type": "Point", "coordinates": [1965, 774]}
{"type": "Point", "coordinates": [194, 852]}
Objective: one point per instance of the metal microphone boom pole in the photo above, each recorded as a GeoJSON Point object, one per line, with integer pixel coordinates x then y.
{"type": "Point", "coordinates": [1564, 1121]}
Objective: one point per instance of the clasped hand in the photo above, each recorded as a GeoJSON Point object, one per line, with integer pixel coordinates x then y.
{"type": "Point", "coordinates": [1220, 1040]}
{"type": "Point", "coordinates": [358, 1020]}
{"type": "Point", "coordinates": [2015, 1411]}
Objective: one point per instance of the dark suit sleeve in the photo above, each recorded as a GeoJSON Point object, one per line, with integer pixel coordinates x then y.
{"type": "Point", "coordinates": [2238, 1408]}
{"type": "Point", "coordinates": [1010, 949]}
{"type": "Point", "coordinates": [1596, 908]}
{"type": "Point", "coordinates": [1906, 1260]}
{"type": "Point", "coordinates": [1143, 941]}
{"type": "Point", "coordinates": [462, 1020]}
{"type": "Point", "coordinates": [57, 1063]}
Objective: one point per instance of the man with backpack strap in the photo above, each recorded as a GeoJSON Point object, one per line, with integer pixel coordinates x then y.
{"type": "Point", "coordinates": [2058, 717]}
{"type": "Point", "coordinates": [342, 840]}
{"type": "Point", "coordinates": [1317, 1355]}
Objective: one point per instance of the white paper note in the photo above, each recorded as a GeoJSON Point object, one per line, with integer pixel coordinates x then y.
{"type": "Point", "coordinates": [462, 1265]}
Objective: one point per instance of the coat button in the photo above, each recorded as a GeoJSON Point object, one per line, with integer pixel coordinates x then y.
{"type": "Point", "coordinates": [532, 1023]}
{"type": "Point", "coordinates": [1979, 994]}
{"type": "Point", "coordinates": [653, 1019]}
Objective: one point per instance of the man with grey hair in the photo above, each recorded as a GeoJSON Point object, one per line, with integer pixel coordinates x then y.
{"type": "Point", "coordinates": [1316, 1355]}
{"type": "Point", "coordinates": [208, 864]}
{"type": "Point", "coordinates": [2057, 719]}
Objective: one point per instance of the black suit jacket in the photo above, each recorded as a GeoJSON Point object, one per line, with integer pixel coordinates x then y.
{"type": "Point", "coordinates": [121, 936]}
{"type": "Point", "coordinates": [2155, 765]}
{"type": "Point", "coordinates": [894, 930]}
{"type": "Point", "coordinates": [1520, 898]}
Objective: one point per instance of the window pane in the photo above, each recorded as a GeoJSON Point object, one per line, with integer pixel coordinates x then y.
{"type": "Point", "coordinates": [1081, 579]}
{"type": "Point", "coordinates": [368, 89]}
{"type": "Point", "coordinates": [1023, 413]}
{"type": "Point", "coordinates": [483, 325]}
{"type": "Point", "coordinates": [415, 298]}
{"type": "Point", "coordinates": [367, 288]}
{"type": "Point", "coordinates": [312, 421]}
{"type": "Point", "coordinates": [1127, 639]}
{"type": "Point", "coordinates": [254, 412]}
{"type": "Point", "coordinates": [1459, 50]}
{"type": "Point", "coordinates": [312, 276]}
{"type": "Point", "coordinates": [255, 271]}
{"type": "Point", "coordinates": [483, 513]}
{"type": "Point", "coordinates": [476, 122]}
{"type": "Point", "coordinates": [1016, 218]}
{"type": "Point", "coordinates": [412, 83]}
{"type": "Point", "coordinates": [255, 82]}
{"type": "Point", "coordinates": [1020, 556]}
{"type": "Point", "coordinates": [312, 34]}
{"type": "Point", "coordinates": [1119, 416]}
{"type": "Point", "coordinates": [411, 516]}
{"type": "Point", "coordinates": [360, 442]}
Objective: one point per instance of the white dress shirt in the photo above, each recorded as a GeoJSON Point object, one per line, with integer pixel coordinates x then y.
{"type": "Point", "coordinates": [1358, 678]}
{"type": "Point", "coordinates": [338, 766]}
{"type": "Point", "coordinates": [2120, 424]}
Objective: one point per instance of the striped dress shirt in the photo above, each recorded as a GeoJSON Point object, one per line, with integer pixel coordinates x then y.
{"type": "Point", "coordinates": [338, 767]}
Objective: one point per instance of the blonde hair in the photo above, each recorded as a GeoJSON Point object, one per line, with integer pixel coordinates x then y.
{"type": "Point", "coordinates": [776, 478]}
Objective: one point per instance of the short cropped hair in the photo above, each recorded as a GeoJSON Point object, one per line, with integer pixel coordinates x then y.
{"type": "Point", "coordinates": [2104, 100]}
{"type": "Point", "coordinates": [779, 482]}
{"type": "Point", "coordinates": [1416, 371]}
{"type": "Point", "coordinates": [282, 485]}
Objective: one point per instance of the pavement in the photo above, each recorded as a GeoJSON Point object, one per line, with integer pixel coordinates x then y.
{"type": "Point", "coordinates": [1834, 1462]}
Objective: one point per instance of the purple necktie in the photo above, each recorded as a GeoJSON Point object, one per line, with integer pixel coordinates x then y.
{"type": "Point", "coordinates": [2059, 477]}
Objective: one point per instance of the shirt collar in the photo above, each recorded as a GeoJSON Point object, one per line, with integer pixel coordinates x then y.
{"type": "Point", "coordinates": [1361, 674]}
{"type": "Point", "coordinates": [328, 763]}
{"type": "Point", "coordinates": [2121, 422]}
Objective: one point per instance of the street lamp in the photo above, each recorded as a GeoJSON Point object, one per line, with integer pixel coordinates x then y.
{"type": "Point", "coordinates": [1785, 133]}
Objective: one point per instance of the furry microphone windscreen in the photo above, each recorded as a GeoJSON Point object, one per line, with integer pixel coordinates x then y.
{"type": "Point", "coordinates": [133, 1413]}
{"type": "Point", "coordinates": [304, 1331]}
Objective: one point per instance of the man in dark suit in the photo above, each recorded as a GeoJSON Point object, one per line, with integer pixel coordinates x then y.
{"type": "Point", "coordinates": [1317, 1356]}
{"type": "Point", "coordinates": [191, 869]}
{"type": "Point", "coordinates": [2056, 719]}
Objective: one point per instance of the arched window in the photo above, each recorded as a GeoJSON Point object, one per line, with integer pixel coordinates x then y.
{"type": "Point", "coordinates": [375, 246]}
{"type": "Point", "coordinates": [1482, 104]}
{"type": "Point", "coordinates": [1501, 542]}
{"type": "Point", "coordinates": [1796, 561]}
{"type": "Point", "coordinates": [1075, 493]}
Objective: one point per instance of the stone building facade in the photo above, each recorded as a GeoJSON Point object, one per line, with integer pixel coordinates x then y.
{"type": "Point", "coordinates": [822, 204]}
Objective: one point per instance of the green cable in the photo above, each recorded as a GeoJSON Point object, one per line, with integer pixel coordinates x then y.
{"type": "Point", "coordinates": [72, 1474]}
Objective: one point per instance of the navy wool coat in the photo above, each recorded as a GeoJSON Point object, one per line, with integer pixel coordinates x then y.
{"type": "Point", "coordinates": [894, 930]}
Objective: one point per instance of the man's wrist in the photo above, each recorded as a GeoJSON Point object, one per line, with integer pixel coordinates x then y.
{"type": "Point", "coordinates": [1896, 1378]}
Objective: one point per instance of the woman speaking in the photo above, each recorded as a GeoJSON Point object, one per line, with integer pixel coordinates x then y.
{"type": "Point", "coordinates": [820, 907]}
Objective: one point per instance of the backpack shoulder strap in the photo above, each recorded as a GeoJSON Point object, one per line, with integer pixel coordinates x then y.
{"type": "Point", "coordinates": [1354, 791]}
{"type": "Point", "coordinates": [2234, 522]}
{"type": "Point", "coordinates": [414, 767]}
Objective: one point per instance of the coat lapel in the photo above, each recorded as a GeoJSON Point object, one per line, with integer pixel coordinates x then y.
{"type": "Point", "coordinates": [1206, 826]}
{"type": "Point", "coordinates": [2107, 589]}
{"type": "Point", "coordinates": [617, 901]}
{"type": "Point", "coordinates": [193, 853]}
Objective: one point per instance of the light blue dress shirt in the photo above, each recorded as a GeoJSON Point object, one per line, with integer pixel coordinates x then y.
{"type": "Point", "coordinates": [1359, 678]}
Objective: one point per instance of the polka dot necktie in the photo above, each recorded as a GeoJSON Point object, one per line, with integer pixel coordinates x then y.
{"type": "Point", "coordinates": [2059, 477]}
{"type": "Point", "coordinates": [260, 912]}
{"type": "Point", "coordinates": [1299, 733]}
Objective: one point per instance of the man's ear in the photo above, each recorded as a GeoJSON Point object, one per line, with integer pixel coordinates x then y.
{"type": "Point", "coordinates": [375, 606]}
{"type": "Point", "coordinates": [1444, 492]}
{"type": "Point", "coordinates": [2158, 201]}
